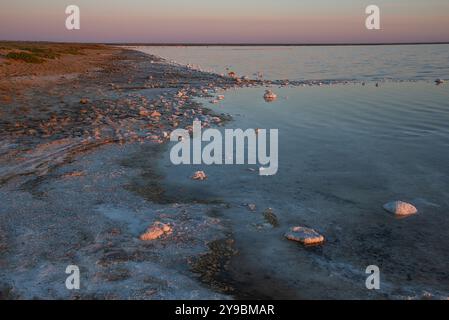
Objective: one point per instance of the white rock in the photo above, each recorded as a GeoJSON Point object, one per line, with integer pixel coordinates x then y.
{"type": "Point", "coordinates": [400, 208]}
{"type": "Point", "coordinates": [252, 207]}
{"type": "Point", "coordinates": [199, 175]}
{"type": "Point", "coordinates": [304, 235]}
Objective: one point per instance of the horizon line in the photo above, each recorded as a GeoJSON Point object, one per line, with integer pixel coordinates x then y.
{"type": "Point", "coordinates": [191, 44]}
{"type": "Point", "coordinates": [273, 44]}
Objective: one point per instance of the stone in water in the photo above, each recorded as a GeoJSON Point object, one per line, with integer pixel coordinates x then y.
{"type": "Point", "coordinates": [157, 230]}
{"type": "Point", "coordinates": [199, 175]}
{"type": "Point", "coordinates": [400, 208]}
{"type": "Point", "coordinates": [304, 235]}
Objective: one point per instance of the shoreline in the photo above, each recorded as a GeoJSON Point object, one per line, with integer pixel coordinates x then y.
{"type": "Point", "coordinates": [89, 131]}
{"type": "Point", "coordinates": [86, 182]}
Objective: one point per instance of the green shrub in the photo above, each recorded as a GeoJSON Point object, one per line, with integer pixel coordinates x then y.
{"type": "Point", "coordinates": [23, 56]}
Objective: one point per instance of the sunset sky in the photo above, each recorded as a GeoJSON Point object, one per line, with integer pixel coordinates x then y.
{"type": "Point", "coordinates": [230, 21]}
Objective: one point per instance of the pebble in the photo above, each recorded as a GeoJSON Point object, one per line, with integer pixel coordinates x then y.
{"type": "Point", "coordinates": [269, 96]}
{"type": "Point", "coordinates": [155, 114]}
{"type": "Point", "coordinates": [199, 175]}
{"type": "Point", "coordinates": [252, 207]}
{"type": "Point", "coordinates": [155, 231]}
{"type": "Point", "coordinates": [304, 235]}
{"type": "Point", "coordinates": [400, 208]}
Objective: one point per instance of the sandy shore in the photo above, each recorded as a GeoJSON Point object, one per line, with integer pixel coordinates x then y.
{"type": "Point", "coordinates": [80, 134]}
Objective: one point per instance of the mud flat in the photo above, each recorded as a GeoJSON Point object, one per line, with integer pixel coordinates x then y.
{"type": "Point", "coordinates": [80, 135]}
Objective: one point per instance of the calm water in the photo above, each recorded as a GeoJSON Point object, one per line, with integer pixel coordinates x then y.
{"type": "Point", "coordinates": [424, 62]}
{"type": "Point", "coordinates": [344, 150]}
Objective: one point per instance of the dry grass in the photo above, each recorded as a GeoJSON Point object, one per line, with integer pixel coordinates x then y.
{"type": "Point", "coordinates": [38, 52]}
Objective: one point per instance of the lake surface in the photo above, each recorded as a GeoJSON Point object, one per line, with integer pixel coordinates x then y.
{"type": "Point", "coordinates": [410, 62]}
{"type": "Point", "coordinates": [344, 151]}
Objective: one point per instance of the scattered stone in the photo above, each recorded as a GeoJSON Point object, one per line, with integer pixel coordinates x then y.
{"type": "Point", "coordinates": [216, 119]}
{"type": "Point", "coordinates": [271, 217]}
{"type": "Point", "coordinates": [400, 208]}
{"type": "Point", "coordinates": [155, 231]}
{"type": "Point", "coordinates": [199, 175]}
{"type": "Point", "coordinates": [155, 114]}
{"type": "Point", "coordinates": [252, 207]}
{"type": "Point", "coordinates": [304, 235]}
{"type": "Point", "coordinates": [269, 96]}
{"type": "Point", "coordinates": [144, 112]}
{"type": "Point", "coordinates": [74, 174]}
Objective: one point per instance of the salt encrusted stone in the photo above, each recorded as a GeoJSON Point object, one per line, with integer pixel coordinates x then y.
{"type": "Point", "coordinates": [304, 235]}
{"type": "Point", "coordinates": [155, 231]}
{"type": "Point", "coordinates": [199, 175]}
{"type": "Point", "coordinates": [400, 208]}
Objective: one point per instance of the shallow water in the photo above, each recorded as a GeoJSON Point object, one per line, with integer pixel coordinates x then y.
{"type": "Point", "coordinates": [344, 151]}
{"type": "Point", "coordinates": [410, 62]}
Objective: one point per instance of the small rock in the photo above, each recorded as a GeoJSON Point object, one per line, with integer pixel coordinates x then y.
{"type": "Point", "coordinates": [304, 235]}
{"type": "Point", "coordinates": [400, 208]}
{"type": "Point", "coordinates": [157, 230]}
{"type": "Point", "coordinates": [199, 175]}
{"type": "Point", "coordinates": [269, 96]}
{"type": "Point", "coordinates": [216, 119]}
{"type": "Point", "coordinates": [144, 112]}
{"type": "Point", "coordinates": [155, 114]}
{"type": "Point", "coordinates": [252, 207]}
{"type": "Point", "coordinates": [74, 174]}
{"type": "Point", "coordinates": [270, 217]}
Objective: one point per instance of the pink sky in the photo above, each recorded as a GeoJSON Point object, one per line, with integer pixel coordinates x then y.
{"type": "Point", "coordinates": [263, 21]}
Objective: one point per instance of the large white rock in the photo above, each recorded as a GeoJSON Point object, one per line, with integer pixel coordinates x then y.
{"type": "Point", "coordinates": [304, 235]}
{"type": "Point", "coordinates": [400, 208]}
